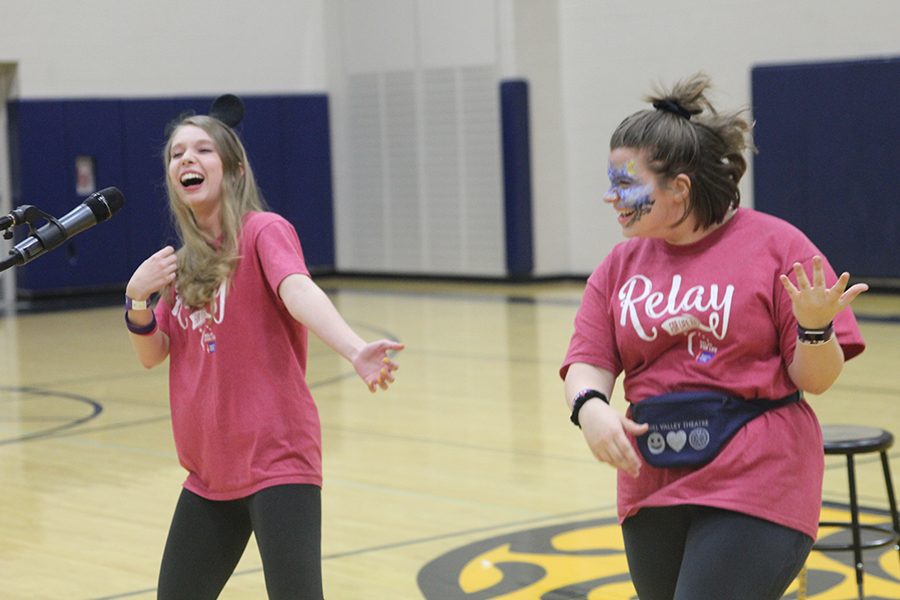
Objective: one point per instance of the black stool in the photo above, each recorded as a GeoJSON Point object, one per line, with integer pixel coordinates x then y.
{"type": "Point", "coordinates": [850, 440]}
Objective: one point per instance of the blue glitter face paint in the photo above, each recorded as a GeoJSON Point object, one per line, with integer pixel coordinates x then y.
{"type": "Point", "coordinates": [629, 193]}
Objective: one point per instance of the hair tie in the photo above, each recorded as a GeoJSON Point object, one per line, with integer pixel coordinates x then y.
{"type": "Point", "coordinates": [672, 107]}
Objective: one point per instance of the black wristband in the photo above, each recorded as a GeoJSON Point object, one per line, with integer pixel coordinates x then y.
{"type": "Point", "coordinates": [815, 336]}
{"type": "Point", "coordinates": [141, 329]}
{"type": "Point", "coordinates": [582, 397]}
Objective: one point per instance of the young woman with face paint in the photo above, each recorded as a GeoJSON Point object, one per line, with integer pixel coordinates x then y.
{"type": "Point", "coordinates": [706, 296]}
{"type": "Point", "coordinates": [235, 305]}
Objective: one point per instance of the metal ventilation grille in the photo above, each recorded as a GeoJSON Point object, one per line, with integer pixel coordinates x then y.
{"type": "Point", "coordinates": [425, 183]}
{"type": "Point", "coordinates": [368, 173]}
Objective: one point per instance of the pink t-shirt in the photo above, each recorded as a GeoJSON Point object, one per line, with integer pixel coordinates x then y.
{"type": "Point", "coordinates": [713, 315]}
{"type": "Point", "coordinates": [242, 414]}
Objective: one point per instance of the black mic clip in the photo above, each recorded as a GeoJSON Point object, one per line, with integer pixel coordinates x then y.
{"type": "Point", "coordinates": [26, 214]}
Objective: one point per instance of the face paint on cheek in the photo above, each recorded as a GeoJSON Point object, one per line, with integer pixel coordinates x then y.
{"type": "Point", "coordinates": [638, 201]}
{"type": "Point", "coordinates": [617, 178]}
{"type": "Point", "coordinates": [635, 197]}
{"type": "Point", "coordinates": [629, 193]}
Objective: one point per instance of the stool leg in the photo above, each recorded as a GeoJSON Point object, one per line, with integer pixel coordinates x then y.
{"type": "Point", "coordinates": [854, 520]}
{"type": "Point", "coordinates": [892, 500]}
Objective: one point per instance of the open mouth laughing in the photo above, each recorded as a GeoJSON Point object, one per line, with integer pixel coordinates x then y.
{"type": "Point", "coordinates": [630, 216]}
{"type": "Point", "coordinates": [191, 180]}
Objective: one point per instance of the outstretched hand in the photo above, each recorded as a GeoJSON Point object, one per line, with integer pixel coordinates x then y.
{"type": "Point", "coordinates": [814, 304]}
{"type": "Point", "coordinates": [374, 365]}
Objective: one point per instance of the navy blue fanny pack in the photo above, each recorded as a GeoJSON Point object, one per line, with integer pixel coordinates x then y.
{"type": "Point", "coordinates": [688, 429]}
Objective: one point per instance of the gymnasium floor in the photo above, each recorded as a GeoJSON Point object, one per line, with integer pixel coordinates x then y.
{"type": "Point", "coordinates": [464, 481]}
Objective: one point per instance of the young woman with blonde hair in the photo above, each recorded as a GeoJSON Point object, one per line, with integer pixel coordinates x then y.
{"type": "Point", "coordinates": [236, 300]}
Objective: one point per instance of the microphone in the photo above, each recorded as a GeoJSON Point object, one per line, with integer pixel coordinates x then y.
{"type": "Point", "coordinates": [97, 207]}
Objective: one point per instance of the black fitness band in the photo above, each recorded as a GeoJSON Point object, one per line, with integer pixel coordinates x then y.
{"type": "Point", "coordinates": [582, 397]}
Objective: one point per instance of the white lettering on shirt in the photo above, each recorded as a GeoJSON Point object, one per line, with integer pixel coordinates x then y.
{"type": "Point", "coordinates": [686, 311]}
{"type": "Point", "coordinates": [198, 318]}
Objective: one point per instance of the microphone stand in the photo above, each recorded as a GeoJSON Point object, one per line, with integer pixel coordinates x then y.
{"type": "Point", "coordinates": [23, 214]}
{"type": "Point", "coordinates": [27, 215]}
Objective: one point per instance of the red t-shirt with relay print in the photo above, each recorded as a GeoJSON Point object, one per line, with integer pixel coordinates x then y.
{"type": "Point", "coordinates": [242, 414]}
{"type": "Point", "coordinates": [713, 315]}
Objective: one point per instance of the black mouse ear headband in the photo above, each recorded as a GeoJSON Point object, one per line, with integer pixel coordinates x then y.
{"type": "Point", "coordinates": [227, 108]}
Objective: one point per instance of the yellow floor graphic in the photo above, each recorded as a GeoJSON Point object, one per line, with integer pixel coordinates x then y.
{"type": "Point", "coordinates": [587, 560]}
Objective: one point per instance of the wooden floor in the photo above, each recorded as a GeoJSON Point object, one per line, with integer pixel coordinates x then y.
{"type": "Point", "coordinates": [466, 480]}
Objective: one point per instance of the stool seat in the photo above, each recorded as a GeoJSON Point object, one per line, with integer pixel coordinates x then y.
{"type": "Point", "coordinates": [855, 439]}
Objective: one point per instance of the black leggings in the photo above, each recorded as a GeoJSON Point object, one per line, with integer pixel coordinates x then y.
{"type": "Point", "coordinates": [207, 538]}
{"type": "Point", "coordinates": [690, 552]}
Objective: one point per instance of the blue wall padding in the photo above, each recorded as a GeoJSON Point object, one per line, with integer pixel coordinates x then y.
{"type": "Point", "coordinates": [286, 138]}
{"type": "Point", "coordinates": [289, 143]}
{"type": "Point", "coordinates": [828, 136]}
{"type": "Point", "coordinates": [517, 177]}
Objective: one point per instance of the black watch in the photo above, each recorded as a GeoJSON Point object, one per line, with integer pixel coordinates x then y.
{"type": "Point", "coordinates": [815, 336]}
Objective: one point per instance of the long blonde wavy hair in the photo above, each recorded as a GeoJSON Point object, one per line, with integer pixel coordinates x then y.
{"type": "Point", "coordinates": [203, 263]}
